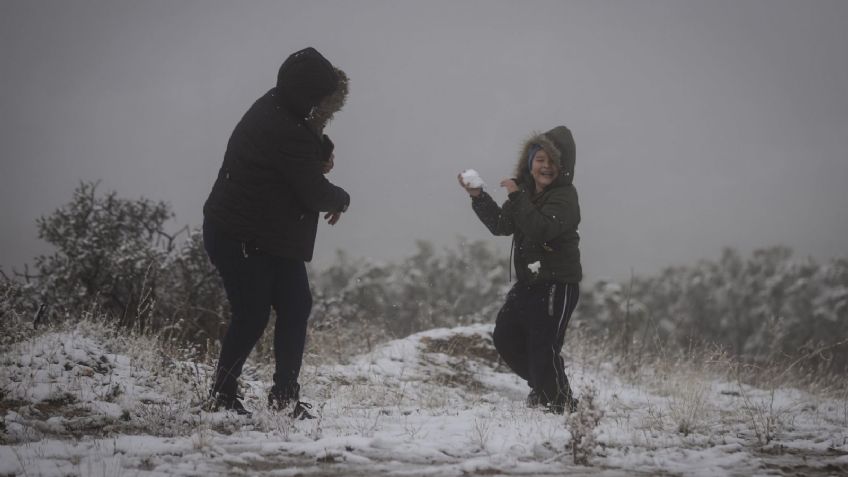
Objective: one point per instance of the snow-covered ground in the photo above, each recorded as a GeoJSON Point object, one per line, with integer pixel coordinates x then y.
{"type": "Point", "coordinates": [87, 402]}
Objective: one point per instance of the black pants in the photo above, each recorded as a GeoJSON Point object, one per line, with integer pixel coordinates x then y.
{"type": "Point", "coordinates": [255, 283]}
{"type": "Point", "coordinates": [529, 333]}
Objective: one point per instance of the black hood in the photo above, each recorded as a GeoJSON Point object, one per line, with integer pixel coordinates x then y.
{"type": "Point", "coordinates": [306, 78]}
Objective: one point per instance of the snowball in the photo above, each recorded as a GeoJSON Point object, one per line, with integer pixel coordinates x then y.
{"type": "Point", "coordinates": [472, 179]}
{"type": "Point", "coordinates": [534, 267]}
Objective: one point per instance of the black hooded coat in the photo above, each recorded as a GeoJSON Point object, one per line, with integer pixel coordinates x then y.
{"type": "Point", "coordinates": [271, 187]}
{"type": "Point", "coordinates": [544, 225]}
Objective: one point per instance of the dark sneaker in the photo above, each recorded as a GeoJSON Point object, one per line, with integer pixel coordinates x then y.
{"type": "Point", "coordinates": [282, 398]}
{"type": "Point", "coordinates": [226, 402]}
{"type": "Point", "coordinates": [534, 399]}
{"type": "Point", "coordinates": [301, 411]}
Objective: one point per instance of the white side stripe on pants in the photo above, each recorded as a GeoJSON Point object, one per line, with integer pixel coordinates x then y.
{"type": "Point", "coordinates": [567, 302]}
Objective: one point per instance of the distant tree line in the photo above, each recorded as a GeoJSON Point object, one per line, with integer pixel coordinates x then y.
{"type": "Point", "coordinates": [114, 260]}
{"type": "Point", "coordinates": [770, 306]}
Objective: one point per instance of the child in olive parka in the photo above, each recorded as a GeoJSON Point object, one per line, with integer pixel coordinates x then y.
{"type": "Point", "coordinates": [542, 214]}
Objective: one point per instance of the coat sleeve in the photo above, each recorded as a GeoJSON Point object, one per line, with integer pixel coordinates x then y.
{"type": "Point", "coordinates": [495, 218]}
{"type": "Point", "coordinates": [303, 170]}
{"type": "Point", "coordinates": [557, 215]}
{"type": "Point", "coordinates": [312, 188]}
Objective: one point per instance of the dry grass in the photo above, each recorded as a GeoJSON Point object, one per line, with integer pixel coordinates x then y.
{"type": "Point", "coordinates": [707, 392]}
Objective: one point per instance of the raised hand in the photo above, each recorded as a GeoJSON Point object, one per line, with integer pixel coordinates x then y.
{"type": "Point", "coordinates": [332, 217]}
{"type": "Point", "coordinates": [509, 185]}
{"type": "Point", "coordinates": [472, 191]}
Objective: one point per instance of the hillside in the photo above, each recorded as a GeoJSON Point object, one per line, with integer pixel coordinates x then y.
{"type": "Point", "coordinates": [87, 401]}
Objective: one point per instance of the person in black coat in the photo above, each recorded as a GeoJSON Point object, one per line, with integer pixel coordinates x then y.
{"type": "Point", "coordinates": [542, 215]}
{"type": "Point", "coordinates": [261, 218]}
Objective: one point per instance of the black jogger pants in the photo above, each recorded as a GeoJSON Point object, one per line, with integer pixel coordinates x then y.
{"type": "Point", "coordinates": [255, 283]}
{"type": "Point", "coordinates": [529, 334]}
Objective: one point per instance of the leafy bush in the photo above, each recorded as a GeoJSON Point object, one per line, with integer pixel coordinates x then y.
{"type": "Point", "coordinates": [114, 256]}
{"type": "Point", "coordinates": [768, 307]}
{"type": "Point", "coordinates": [108, 250]}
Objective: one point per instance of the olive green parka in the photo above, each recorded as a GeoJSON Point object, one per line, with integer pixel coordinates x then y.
{"type": "Point", "coordinates": [544, 225]}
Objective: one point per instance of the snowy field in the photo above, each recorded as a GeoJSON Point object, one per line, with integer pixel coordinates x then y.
{"type": "Point", "coordinates": [88, 402]}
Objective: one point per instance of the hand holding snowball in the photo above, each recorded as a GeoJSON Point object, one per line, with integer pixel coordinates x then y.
{"type": "Point", "coordinates": [471, 181]}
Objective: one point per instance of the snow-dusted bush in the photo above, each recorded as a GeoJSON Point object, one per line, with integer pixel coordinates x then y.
{"type": "Point", "coordinates": [113, 258]}
{"type": "Point", "coordinates": [360, 303]}
{"type": "Point", "coordinates": [18, 310]}
{"type": "Point", "coordinates": [192, 305]}
{"type": "Point", "coordinates": [108, 250]}
{"type": "Point", "coordinates": [767, 307]}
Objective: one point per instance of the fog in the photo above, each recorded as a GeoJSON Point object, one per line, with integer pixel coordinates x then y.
{"type": "Point", "coordinates": [699, 125]}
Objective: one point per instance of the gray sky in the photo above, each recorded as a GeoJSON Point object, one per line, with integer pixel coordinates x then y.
{"type": "Point", "coordinates": [699, 124]}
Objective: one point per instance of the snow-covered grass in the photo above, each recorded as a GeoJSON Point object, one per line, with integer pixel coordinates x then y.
{"type": "Point", "coordinates": [86, 400]}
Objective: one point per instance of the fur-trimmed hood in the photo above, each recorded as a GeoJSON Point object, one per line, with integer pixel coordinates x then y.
{"type": "Point", "coordinates": [559, 144]}
{"type": "Point", "coordinates": [311, 87]}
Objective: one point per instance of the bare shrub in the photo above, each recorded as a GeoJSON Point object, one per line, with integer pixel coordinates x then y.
{"type": "Point", "coordinates": [582, 424]}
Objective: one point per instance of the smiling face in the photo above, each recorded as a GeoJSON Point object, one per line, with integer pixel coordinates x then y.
{"type": "Point", "coordinates": [544, 170]}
